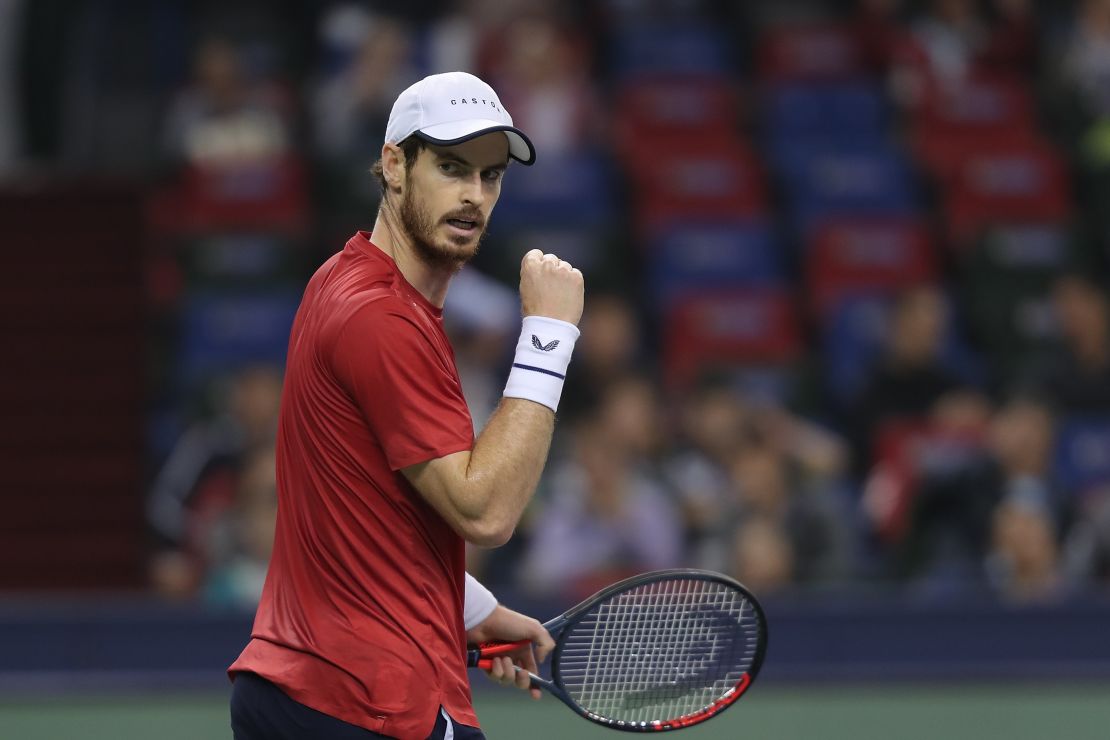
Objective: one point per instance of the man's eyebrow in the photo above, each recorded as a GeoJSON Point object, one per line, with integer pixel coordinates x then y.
{"type": "Point", "coordinates": [452, 157]}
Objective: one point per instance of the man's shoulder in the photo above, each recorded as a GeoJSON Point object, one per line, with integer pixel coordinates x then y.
{"type": "Point", "coordinates": [358, 285]}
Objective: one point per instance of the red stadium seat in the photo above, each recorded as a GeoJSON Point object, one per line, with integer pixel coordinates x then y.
{"type": "Point", "coordinates": [658, 107]}
{"type": "Point", "coordinates": [817, 51]}
{"type": "Point", "coordinates": [979, 103]}
{"type": "Point", "coordinates": [853, 256]}
{"type": "Point", "coordinates": [699, 179]}
{"type": "Point", "coordinates": [941, 151]}
{"type": "Point", "coordinates": [985, 113]}
{"type": "Point", "coordinates": [719, 330]}
{"type": "Point", "coordinates": [268, 196]}
{"type": "Point", "coordinates": [902, 450]}
{"type": "Point", "coordinates": [1006, 184]}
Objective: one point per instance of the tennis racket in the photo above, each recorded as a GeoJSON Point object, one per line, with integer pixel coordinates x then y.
{"type": "Point", "coordinates": [659, 651]}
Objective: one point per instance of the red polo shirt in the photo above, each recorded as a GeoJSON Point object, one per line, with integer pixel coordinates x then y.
{"type": "Point", "coordinates": [362, 612]}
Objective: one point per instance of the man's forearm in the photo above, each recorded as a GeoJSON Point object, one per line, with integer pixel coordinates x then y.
{"type": "Point", "coordinates": [483, 491]}
{"type": "Point", "coordinates": [509, 457]}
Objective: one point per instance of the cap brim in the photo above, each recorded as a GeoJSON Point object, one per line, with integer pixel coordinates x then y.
{"type": "Point", "coordinates": [456, 132]}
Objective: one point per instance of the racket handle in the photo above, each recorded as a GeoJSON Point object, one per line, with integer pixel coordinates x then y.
{"type": "Point", "coordinates": [482, 656]}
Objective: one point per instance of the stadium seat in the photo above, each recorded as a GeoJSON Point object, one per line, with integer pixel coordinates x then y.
{"type": "Point", "coordinates": [569, 191]}
{"type": "Point", "coordinates": [697, 180]}
{"type": "Point", "coordinates": [902, 450]}
{"type": "Point", "coordinates": [823, 183]}
{"type": "Point", "coordinates": [1083, 454]}
{"type": "Point", "coordinates": [693, 256]}
{"type": "Point", "coordinates": [982, 103]}
{"type": "Point", "coordinates": [816, 51]}
{"type": "Point", "coordinates": [847, 257]}
{"type": "Point", "coordinates": [267, 197]}
{"type": "Point", "coordinates": [852, 334]}
{"type": "Point", "coordinates": [676, 106]}
{"type": "Point", "coordinates": [667, 112]}
{"type": "Point", "coordinates": [223, 331]}
{"type": "Point", "coordinates": [754, 329]}
{"type": "Point", "coordinates": [844, 112]}
{"type": "Point", "coordinates": [646, 49]}
{"type": "Point", "coordinates": [1005, 281]}
{"type": "Point", "coordinates": [1007, 184]}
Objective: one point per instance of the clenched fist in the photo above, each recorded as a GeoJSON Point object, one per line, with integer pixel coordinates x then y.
{"type": "Point", "coordinates": [550, 287]}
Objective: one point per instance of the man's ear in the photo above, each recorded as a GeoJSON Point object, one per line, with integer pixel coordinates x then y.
{"type": "Point", "coordinates": [393, 167]}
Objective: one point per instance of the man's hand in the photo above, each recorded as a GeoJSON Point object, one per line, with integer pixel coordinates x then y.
{"type": "Point", "coordinates": [550, 287]}
{"type": "Point", "coordinates": [505, 625]}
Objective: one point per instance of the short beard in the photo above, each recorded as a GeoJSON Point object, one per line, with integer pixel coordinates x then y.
{"type": "Point", "coordinates": [418, 226]}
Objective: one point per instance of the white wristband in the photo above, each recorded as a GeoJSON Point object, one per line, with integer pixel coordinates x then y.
{"type": "Point", "coordinates": [542, 356]}
{"type": "Point", "coordinates": [478, 603]}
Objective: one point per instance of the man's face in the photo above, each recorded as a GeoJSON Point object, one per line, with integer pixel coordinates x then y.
{"type": "Point", "coordinates": [449, 196]}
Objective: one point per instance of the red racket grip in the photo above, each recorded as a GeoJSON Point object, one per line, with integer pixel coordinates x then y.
{"type": "Point", "coordinates": [490, 650]}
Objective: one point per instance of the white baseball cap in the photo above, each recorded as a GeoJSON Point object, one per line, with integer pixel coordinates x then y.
{"type": "Point", "coordinates": [451, 108]}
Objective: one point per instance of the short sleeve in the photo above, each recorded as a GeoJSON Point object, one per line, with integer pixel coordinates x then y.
{"type": "Point", "coordinates": [405, 385]}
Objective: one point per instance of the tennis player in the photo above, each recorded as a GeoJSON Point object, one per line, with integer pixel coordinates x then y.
{"type": "Point", "coordinates": [367, 610]}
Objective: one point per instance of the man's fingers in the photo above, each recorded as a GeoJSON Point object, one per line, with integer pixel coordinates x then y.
{"type": "Point", "coordinates": [523, 680]}
{"type": "Point", "coordinates": [542, 642]}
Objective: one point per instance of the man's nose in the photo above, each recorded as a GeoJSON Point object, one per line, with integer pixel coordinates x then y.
{"type": "Point", "coordinates": [473, 193]}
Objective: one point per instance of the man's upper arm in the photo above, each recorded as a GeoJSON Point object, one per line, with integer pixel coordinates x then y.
{"type": "Point", "coordinates": [406, 390]}
{"type": "Point", "coordinates": [439, 480]}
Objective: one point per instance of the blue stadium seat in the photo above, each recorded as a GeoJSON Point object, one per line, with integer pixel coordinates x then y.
{"type": "Point", "coordinates": [222, 331]}
{"type": "Point", "coordinates": [822, 181]}
{"type": "Point", "coordinates": [852, 338]}
{"type": "Point", "coordinates": [569, 191]}
{"type": "Point", "coordinates": [692, 256]}
{"type": "Point", "coordinates": [1083, 453]}
{"type": "Point", "coordinates": [648, 49]}
{"type": "Point", "coordinates": [844, 112]}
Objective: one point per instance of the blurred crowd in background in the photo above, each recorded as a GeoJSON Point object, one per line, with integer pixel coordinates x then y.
{"type": "Point", "coordinates": [847, 319]}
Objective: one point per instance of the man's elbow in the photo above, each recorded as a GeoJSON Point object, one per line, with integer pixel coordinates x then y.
{"type": "Point", "coordinates": [487, 533]}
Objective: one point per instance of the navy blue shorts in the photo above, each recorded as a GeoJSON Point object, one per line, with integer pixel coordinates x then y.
{"type": "Point", "coordinates": [262, 711]}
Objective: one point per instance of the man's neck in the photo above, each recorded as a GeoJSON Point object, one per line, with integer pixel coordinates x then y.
{"type": "Point", "coordinates": [430, 281]}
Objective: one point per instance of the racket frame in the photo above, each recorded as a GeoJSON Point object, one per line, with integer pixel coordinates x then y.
{"type": "Point", "coordinates": [560, 626]}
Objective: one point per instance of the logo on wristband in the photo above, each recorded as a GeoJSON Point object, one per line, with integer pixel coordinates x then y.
{"type": "Point", "coordinates": [545, 347]}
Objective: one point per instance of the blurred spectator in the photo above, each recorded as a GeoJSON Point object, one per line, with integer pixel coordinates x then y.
{"type": "Point", "coordinates": [952, 34]}
{"type": "Point", "coordinates": [609, 348]}
{"type": "Point", "coordinates": [367, 61]}
{"type": "Point", "coordinates": [909, 377]}
{"type": "Point", "coordinates": [820, 456]}
{"type": "Point", "coordinates": [761, 556]}
{"type": "Point", "coordinates": [805, 517]}
{"type": "Point", "coordinates": [958, 41]}
{"type": "Point", "coordinates": [482, 318]}
{"type": "Point", "coordinates": [1087, 548]}
{"type": "Point", "coordinates": [368, 65]}
{"type": "Point", "coordinates": [603, 514]}
{"type": "Point", "coordinates": [1077, 376]}
{"type": "Point", "coordinates": [719, 428]}
{"type": "Point", "coordinates": [880, 31]}
{"type": "Point", "coordinates": [197, 482]}
{"type": "Point", "coordinates": [241, 542]}
{"type": "Point", "coordinates": [972, 486]}
{"type": "Point", "coordinates": [713, 421]}
{"type": "Point", "coordinates": [1023, 564]}
{"type": "Point", "coordinates": [542, 69]}
{"type": "Point", "coordinates": [455, 39]}
{"type": "Point", "coordinates": [1011, 48]}
{"type": "Point", "coordinates": [225, 119]}
{"type": "Point", "coordinates": [1084, 68]}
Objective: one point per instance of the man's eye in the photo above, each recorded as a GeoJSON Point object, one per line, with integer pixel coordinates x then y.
{"type": "Point", "coordinates": [491, 175]}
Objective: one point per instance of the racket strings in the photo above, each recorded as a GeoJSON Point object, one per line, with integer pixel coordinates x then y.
{"type": "Point", "coordinates": [660, 651]}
